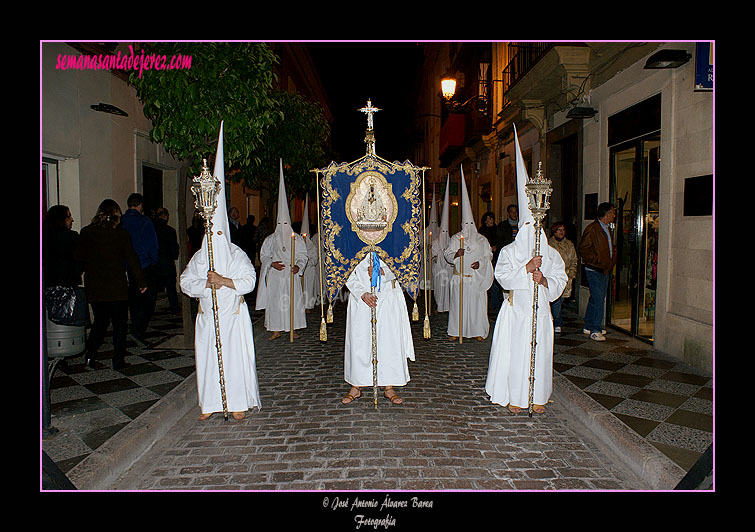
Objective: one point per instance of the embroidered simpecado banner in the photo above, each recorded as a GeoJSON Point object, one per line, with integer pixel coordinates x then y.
{"type": "Point", "coordinates": [371, 204]}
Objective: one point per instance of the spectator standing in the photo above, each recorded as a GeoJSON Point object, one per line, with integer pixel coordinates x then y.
{"type": "Point", "coordinates": [235, 226]}
{"type": "Point", "coordinates": [565, 248]}
{"type": "Point", "coordinates": [489, 230]}
{"type": "Point", "coordinates": [167, 255]}
{"type": "Point", "coordinates": [508, 228]}
{"type": "Point", "coordinates": [195, 234]}
{"type": "Point", "coordinates": [247, 237]}
{"type": "Point", "coordinates": [144, 240]}
{"type": "Point", "coordinates": [59, 241]}
{"type": "Point", "coordinates": [598, 253]}
{"type": "Point", "coordinates": [105, 252]}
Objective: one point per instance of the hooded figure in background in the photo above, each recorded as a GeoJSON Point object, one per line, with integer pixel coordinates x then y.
{"type": "Point", "coordinates": [519, 271]}
{"type": "Point", "coordinates": [442, 270]}
{"type": "Point", "coordinates": [430, 232]}
{"type": "Point", "coordinates": [309, 277]}
{"type": "Point", "coordinates": [477, 276]}
{"type": "Point", "coordinates": [234, 276]}
{"type": "Point", "coordinates": [274, 292]}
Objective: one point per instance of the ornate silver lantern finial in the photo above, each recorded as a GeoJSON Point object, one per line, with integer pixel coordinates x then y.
{"type": "Point", "coordinates": [538, 190]}
{"type": "Point", "coordinates": [205, 190]}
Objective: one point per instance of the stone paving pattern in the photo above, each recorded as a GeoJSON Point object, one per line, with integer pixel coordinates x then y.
{"type": "Point", "coordinates": [443, 436]}
{"type": "Point", "coordinates": [446, 435]}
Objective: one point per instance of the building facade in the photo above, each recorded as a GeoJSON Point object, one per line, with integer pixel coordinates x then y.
{"type": "Point", "coordinates": [630, 123]}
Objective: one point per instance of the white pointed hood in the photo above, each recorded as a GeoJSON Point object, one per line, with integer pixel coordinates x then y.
{"type": "Point", "coordinates": [304, 231]}
{"type": "Point", "coordinates": [432, 223]}
{"type": "Point", "coordinates": [521, 180]}
{"type": "Point", "coordinates": [524, 242]}
{"type": "Point", "coordinates": [443, 235]}
{"type": "Point", "coordinates": [283, 228]}
{"type": "Point", "coordinates": [221, 236]}
{"type": "Point", "coordinates": [468, 226]}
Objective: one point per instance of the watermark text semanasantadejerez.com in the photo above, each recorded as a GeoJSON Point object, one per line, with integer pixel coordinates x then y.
{"type": "Point", "coordinates": [140, 62]}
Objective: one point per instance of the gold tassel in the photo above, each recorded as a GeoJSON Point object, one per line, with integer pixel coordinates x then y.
{"type": "Point", "coordinates": [415, 312]}
{"type": "Point", "coordinates": [426, 328]}
{"type": "Point", "coordinates": [330, 313]}
{"type": "Point", "coordinates": [323, 331]}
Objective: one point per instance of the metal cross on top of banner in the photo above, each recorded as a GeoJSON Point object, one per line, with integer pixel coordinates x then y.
{"type": "Point", "coordinates": [369, 139]}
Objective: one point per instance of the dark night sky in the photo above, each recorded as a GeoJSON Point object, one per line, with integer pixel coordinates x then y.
{"type": "Point", "coordinates": [384, 72]}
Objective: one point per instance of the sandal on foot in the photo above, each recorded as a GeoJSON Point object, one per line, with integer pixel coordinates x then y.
{"type": "Point", "coordinates": [238, 416]}
{"type": "Point", "coordinates": [349, 397]}
{"type": "Point", "coordinates": [204, 417]}
{"type": "Point", "coordinates": [453, 338]}
{"type": "Point", "coordinates": [275, 336]}
{"type": "Point", "coordinates": [538, 409]}
{"type": "Point", "coordinates": [394, 397]}
{"type": "Point", "coordinates": [514, 409]}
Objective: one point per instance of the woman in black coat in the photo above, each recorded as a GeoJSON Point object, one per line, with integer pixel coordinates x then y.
{"type": "Point", "coordinates": [58, 243]}
{"type": "Point", "coordinates": [105, 251]}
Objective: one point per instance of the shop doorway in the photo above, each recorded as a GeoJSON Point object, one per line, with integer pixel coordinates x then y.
{"type": "Point", "coordinates": [635, 179]}
{"type": "Point", "coordinates": [152, 185]}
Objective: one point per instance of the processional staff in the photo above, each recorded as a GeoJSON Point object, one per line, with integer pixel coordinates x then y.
{"type": "Point", "coordinates": [461, 287]}
{"type": "Point", "coordinates": [205, 190]}
{"type": "Point", "coordinates": [538, 192]}
{"type": "Point", "coordinates": [291, 300]}
{"type": "Point", "coordinates": [323, 327]}
{"type": "Point", "coordinates": [425, 263]}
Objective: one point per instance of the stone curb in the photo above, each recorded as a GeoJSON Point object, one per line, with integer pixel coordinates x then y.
{"type": "Point", "coordinates": [655, 468]}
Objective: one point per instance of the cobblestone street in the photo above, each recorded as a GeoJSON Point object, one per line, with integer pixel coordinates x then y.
{"type": "Point", "coordinates": [446, 435]}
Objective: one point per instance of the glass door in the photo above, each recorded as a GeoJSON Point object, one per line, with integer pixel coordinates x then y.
{"type": "Point", "coordinates": [635, 173]}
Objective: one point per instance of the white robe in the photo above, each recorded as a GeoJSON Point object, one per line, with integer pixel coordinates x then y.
{"type": "Point", "coordinates": [394, 335]}
{"type": "Point", "coordinates": [510, 353]}
{"type": "Point", "coordinates": [476, 284]}
{"type": "Point", "coordinates": [442, 271]}
{"type": "Point", "coordinates": [274, 291]}
{"type": "Point", "coordinates": [236, 335]}
{"type": "Point", "coordinates": [311, 272]}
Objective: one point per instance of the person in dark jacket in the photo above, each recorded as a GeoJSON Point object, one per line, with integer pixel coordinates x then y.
{"type": "Point", "coordinates": [597, 250]}
{"type": "Point", "coordinates": [489, 230]}
{"type": "Point", "coordinates": [247, 238]}
{"type": "Point", "coordinates": [144, 240]}
{"type": "Point", "coordinates": [58, 243]}
{"type": "Point", "coordinates": [105, 250]}
{"type": "Point", "coordinates": [167, 255]}
{"type": "Point", "coordinates": [507, 228]}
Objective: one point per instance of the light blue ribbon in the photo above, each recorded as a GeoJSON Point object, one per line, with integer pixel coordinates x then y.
{"type": "Point", "coordinates": [375, 271]}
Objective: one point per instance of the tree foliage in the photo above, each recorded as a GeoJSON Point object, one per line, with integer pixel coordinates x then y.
{"type": "Point", "coordinates": [299, 139]}
{"type": "Point", "coordinates": [233, 82]}
{"type": "Point", "coordinates": [230, 82]}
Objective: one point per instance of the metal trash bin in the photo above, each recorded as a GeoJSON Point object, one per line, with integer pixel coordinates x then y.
{"type": "Point", "coordinates": [64, 340]}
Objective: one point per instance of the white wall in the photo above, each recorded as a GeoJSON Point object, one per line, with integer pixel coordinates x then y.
{"type": "Point", "coordinates": [100, 155]}
{"type": "Point", "coordinates": [684, 310]}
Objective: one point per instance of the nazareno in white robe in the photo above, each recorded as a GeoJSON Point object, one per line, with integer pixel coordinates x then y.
{"type": "Point", "coordinates": [510, 352]}
{"type": "Point", "coordinates": [394, 336]}
{"type": "Point", "coordinates": [236, 334]}
{"type": "Point", "coordinates": [442, 272]}
{"type": "Point", "coordinates": [310, 274]}
{"type": "Point", "coordinates": [476, 284]}
{"type": "Point", "coordinates": [274, 291]}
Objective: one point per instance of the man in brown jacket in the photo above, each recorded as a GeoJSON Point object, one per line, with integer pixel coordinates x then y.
{"type": "Point", "coordinates": [598, 252]}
